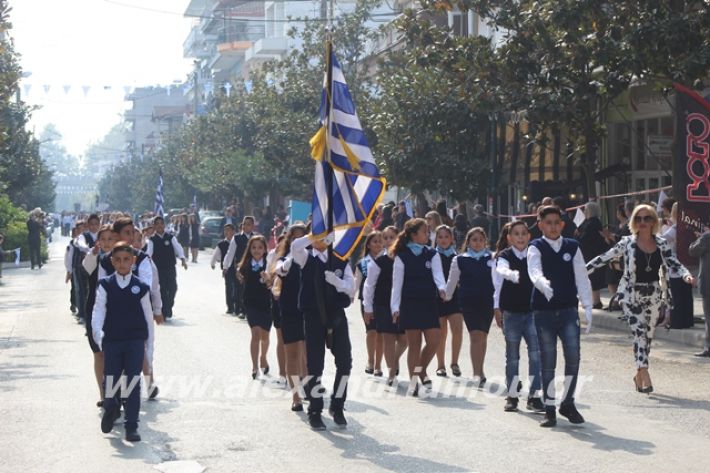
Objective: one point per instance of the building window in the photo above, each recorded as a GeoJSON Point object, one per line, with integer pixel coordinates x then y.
{"type": "Point", "coordinates": [459, 23]}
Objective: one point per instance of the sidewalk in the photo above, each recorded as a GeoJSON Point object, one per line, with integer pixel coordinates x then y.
{"type": "Point", "coordinates": [694, 337]}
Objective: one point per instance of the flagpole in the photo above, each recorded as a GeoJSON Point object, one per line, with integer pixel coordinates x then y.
{"type": "Point", "coordinates": [328, 166]}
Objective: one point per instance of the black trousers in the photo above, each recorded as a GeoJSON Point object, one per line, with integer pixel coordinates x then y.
{"type": "Point", "coordinates": [230, 290]}
{"type": "Point", "coordinates": [682, 313]}
{"type": "Point", "coordinates": [168, 289]}
{"type": "Point", "coordinates": [35, 258]}
{"type": "Point", "coordinates": [315, 360]}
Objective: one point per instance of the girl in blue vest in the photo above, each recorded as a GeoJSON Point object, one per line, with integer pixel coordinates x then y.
{"type": "Point", "coordinates": [513, 314]}
{"type": "Point", "coordinates": [376, 303]}
{"type": "Point", "coordinates": [257, 300]}
{"type": "Point", "coordinates": [450, 311]}
{"type": "Point", "coordinates": [472, 273]}
{"type": "Point", "coordinates": [372, 249]}
{"type": "Point", "coordinates": [417, 282]}
{"type": "Point", "coordinates": [286, 289]}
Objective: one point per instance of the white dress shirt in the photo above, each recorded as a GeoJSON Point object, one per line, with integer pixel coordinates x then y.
{"type": "Point", "coordinates": [503, 271]}
{"type": "Point", "coordinates": [179, 254]}
{"type": "Point", "coordinates": [99, 313]}
{"type": "Point", "coordinates": [455, 274]}
{"type": "Point", "coordinates": [232, 250]}
{"type": "Point", "coordinates": [81, 242]}
{"type": "Point", "coordinates": [398, 279]}
{"type": "Point", "coordinates": [300, 257]}
{"type": "Point", "coordinates": [584, 287]}
{"type": "Point", "coordinates": [91, 263]}
{"type": "Point", "coordinates": [68, 257]}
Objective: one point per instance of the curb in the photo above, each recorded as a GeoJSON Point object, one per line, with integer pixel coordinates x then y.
{"type": "Point", "coordinates": [693, 337]}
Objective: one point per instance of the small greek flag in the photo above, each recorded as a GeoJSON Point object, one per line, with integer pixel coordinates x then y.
{"type": "Point", "coordinates": [159, 196]}
{"type": "Point", "coordinates": [344, 158]}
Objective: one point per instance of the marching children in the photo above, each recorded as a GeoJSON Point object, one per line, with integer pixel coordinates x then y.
{"type": "Point", "coordinates": [327, 288]}
{"type": "Point", "coordinates": [292, 332]}
{"type": "Point", "coordinates": [164, 249]}
{"type": "Point", "coordinates": [472, 273]}
{"type": "Point", "coordinates": [157, 303]}
{"type": "Point", "coordinates": [230, 277]}
{"type": "Point", "coordinates": [559, 276]}
{"type": "Point", "coordinates": [257, 301]}
{"type": "Point", "coordinates": [511, 303]}
{"type": "Point", "coordinates": [417, 281]}
{"type": "Point", "coordinates": [122, 315]}
{"type": "Point", "coordinates": [372, 250]}
{"type": "Point", "coordinates": [376, 303]}
{"type": "Point", "coordinates": [450, 311]}
{"type": "Point", "coordinates": [235, 252]}
{"type": "Point", "coordinates": [72, 263]}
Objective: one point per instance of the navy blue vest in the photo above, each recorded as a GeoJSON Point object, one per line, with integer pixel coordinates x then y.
{"type": "Point", "coordinates": [383, 288]}
{"type": "Point", "coordinates": [515, 297]}
{"type": "Point", "coordinates": [558, 268]}
{"type": "Point", "coordinates": [475, 282]}
{"type": "Point", "coordinates": [418, 278]}
{"type": "Point", "coordinates": [89, 239]}
{"type": "Point", "coordinates": [290, 286]}
{"type": "Point", "coordinates": [314, 273]}
{"type": "Point", "coordinates": [256, 294]}
{"type": "Point", "coordinates": [124, 314]}
{"type": "Point", "coordinates": [163, 251]}
{"type": "Point", "coordinates": [241, 240]}
{"type": "Point", "coordinates": [223, 246]}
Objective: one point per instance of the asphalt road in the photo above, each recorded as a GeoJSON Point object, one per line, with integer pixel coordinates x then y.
{"type": "Point", "coordinates": [211, 414]}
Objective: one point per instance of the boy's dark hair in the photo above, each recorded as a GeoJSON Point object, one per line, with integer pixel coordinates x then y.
{"type": "Point", "coordinates": [104, 229]}
{"type": "Point", "coordinates": [122, 246]}
{"type": "Point", "coordinates": [121, 223]}
{"type": "Point", "coordinates": [93, 217]}
{"type": "Point", "coordinates": [229, 225]}
{"type": "Point", "coordinates": [546, 210]}
{"type": "Point", "coordinates": [158, 217]}
{"type": "Point", "coordinates": [248, 217]}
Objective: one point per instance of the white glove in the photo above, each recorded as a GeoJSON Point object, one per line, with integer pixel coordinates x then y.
{"type": "Point", "coordinates": [515, 277]}
{"type": "Point", "coordinates": [543, 285]}
{"type": "Point", "coordinates": [333, 280]}
{"type": "Point", "coordinates": [588, 315]}
{"type": "Point", "coordinates": [329, 239]}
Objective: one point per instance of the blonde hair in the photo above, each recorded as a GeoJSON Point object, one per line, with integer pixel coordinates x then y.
{"type": "Point", "coordinates": [434, 215]}
{"type": "Point", "coordinates": [652, 211]}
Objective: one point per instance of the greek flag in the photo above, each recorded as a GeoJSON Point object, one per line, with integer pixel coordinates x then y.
{"type": "Point", "coordinates": [159, 196]}
{"type": "Point", "coordinates": [346, 173]}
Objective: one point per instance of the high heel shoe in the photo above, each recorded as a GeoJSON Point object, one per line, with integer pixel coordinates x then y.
{"type": "Point", "coordinates": [266, 370]}
{"type": "Point", "coordinates": [253, 374]}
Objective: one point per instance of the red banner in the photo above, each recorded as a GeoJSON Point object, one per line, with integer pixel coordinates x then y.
{"type": "Point", "coordinates": [691, 169]}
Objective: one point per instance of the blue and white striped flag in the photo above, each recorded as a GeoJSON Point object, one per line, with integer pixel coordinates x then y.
{"type": "Point", "coordinates": [344, 157]}
{"type": "Point", "coordinates": [159, 196]}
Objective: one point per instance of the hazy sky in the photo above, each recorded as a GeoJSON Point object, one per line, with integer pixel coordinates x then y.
{"type": "Point", "coordinates": [95, 43]}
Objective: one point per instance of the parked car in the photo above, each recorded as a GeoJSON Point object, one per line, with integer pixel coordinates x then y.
{"type": "Point", "coordinates": [211, 232]}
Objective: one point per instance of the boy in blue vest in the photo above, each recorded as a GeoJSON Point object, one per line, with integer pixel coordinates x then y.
{"type": "Point", "coordinates": [327, 289]}
{"type": "Point", "coordinates": [235, 251]}
{"type": "Point", "coordinates": [120, 327]}
{"type": "Point", "coordinates": [558, 273]}
{"type": "Point", "coordinates": [230, 277]}
{"type": "Point", "coordinates": [165, 250]}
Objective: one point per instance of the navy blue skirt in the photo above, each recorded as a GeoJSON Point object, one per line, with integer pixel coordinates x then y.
{"type": "Point", "coordinates": [383, 321]}
{"type": "Point", "coordinates": [418, 314]}
{"type": "Point", "coordinates": [258, 317]}
{"type": "Point", "coordinates": [292, 325]}
{"type": "Point", "coordinates": [478, 319]}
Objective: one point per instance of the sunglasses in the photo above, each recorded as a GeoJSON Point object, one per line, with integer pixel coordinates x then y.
{"type": "Point", "coordinates": [644, 218]}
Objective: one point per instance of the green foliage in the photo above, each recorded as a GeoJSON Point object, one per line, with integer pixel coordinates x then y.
{"type": "Point", "coordinates": [13, 225]}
